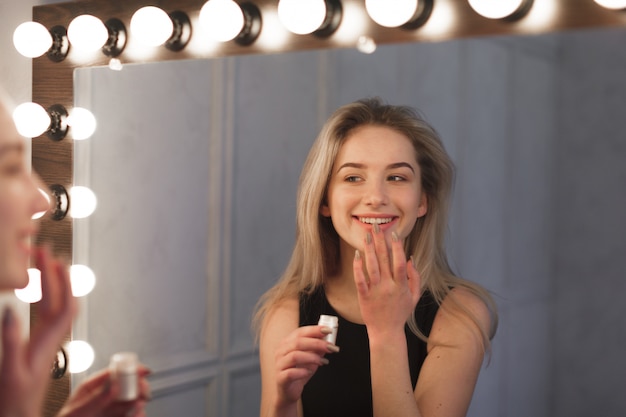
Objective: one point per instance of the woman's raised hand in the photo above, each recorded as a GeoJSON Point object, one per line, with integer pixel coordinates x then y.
{"type": "Point", "coordinates": [390, 289]}
{"type": "Point", "coordinates": [25, 366]}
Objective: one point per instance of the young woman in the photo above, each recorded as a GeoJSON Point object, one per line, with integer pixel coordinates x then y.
{"type": "Point", "coordinates": [371, 219]}
{"type": "Point", "coordinates": [25, 364]}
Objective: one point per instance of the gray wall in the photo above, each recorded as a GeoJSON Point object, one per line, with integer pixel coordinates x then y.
{"type": "Point", "coordinates": [537, 134]}
{"type": "Point", "coordinates": [590, 202]}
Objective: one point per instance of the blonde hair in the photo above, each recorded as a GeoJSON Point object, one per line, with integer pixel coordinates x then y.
{"type": "Point", "coordinates": [316, 251]}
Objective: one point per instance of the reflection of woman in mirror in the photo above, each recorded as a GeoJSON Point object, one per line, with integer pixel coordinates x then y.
{"type": "Point", "coordinates": [25, 364]}
{"type": "Point", "coordinates": [372, 214]}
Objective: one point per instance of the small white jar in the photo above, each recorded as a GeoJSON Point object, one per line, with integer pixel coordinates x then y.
{"type": "Point", "coordinates": [331, 322]}
{"type": "Point", "coordinates": [123, 368]}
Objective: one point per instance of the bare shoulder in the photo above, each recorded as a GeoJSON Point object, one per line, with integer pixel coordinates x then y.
{"type": "Point", "coordinates": [463, 319]}
{"type": "Point", "coordinates": [280, 319]}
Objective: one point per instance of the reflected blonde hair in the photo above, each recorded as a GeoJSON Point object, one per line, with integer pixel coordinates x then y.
{"type": "Point", "coordinates": [316, 251]}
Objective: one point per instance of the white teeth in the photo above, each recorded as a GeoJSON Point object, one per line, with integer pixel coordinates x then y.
{"type": "Point", "coordinates": [372, 220]}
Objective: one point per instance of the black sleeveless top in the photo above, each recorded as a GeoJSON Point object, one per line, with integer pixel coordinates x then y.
{"type": "Point", "coordinates": [343, 387]}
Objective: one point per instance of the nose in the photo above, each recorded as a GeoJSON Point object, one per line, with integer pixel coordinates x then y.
{"type": "Point", "coordinates": [376, 194]}
{"type": "Point", "coordinates": [40, 197]}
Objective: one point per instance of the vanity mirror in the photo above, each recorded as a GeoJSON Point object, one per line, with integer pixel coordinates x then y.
{"type": "Point", "coordinates": [206, 144]}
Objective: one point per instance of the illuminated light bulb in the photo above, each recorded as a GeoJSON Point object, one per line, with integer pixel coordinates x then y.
{"type": "Point", "coordinates": [499, 9]}
{"type": "Point", "coordinates": [302, 16]}
{"type": "Point", "coordinates": [40, 214]}
{"type": "Point", "coordinates": [81, 356]}
{"type": "Point", "coordinates": [612, 4]}
{"type": "Point", "coordinates": [87, 33]}
{"type": "Point", "coordinates": [151, 26]}
{"type": "Point", "coordinates": [391, 13]}
{"type": "Point", "coordinates": [82, 122]}
{"type": "Point", "coordinates": [83, 202]}
{"type": "Point", "coordinates": [32, 292]}
{"type": "Point", "coordinates": [366, 45]}
{"type": "Point", "coordinates": [222, 20]}
{"type": "Point", "coordinates": [32, 39]}
{"type": "Point", "coordinates": [83, 280]}
{"type": "Point", "coordinates": [115, 64]}
{"type": "Point", "coordinates": [31, 120]}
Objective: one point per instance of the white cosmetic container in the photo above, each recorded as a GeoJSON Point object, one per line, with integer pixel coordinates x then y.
{"type": "Point", "coordinates": [123, 368]}
{"type": "Point", "coordinates": [333, 323]}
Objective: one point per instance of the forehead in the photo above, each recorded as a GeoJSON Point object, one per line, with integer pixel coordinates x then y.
{"type": "Point", "coordinates": [377, 142]}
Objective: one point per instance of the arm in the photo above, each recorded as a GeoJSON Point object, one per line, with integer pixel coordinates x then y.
{"type": "Point", "coordinates": [289, 356]}
{"type": "Point", "coordinates": [449, 373]}
{"type": "Point", "coordinates": [455, 355]}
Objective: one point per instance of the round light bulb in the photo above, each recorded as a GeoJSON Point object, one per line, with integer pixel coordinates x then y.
{"type": "Point", "coordinates": [87, 33]}
{"type": "Point", "coordinates": [115, 64]}
{"type": "Point", "coordinates": [391, 13]}
{"type": "Point", "coordinates": [612, 4]}
{"type": "Point", "coordinates": [496, 9]}
{"type": "Point", "coordinates": [366, 45]}
{"type": "Point", "coordinates": [82, 122]}
{"type": "Point", "coordinates": [80, 356]}
{"type": "Point", "coordinates": [221, 20]}
{"type": "Point", "coordinates": [32, 39]}
{"type": "Point", "coordinates": [83, 202]}
{"type": "Point", "coordinates": [151, 26]}
{"type": "Point", "coordinates": [302, 16]}
{"type": "Point", "coordinates": [31, 120]}
{"type": "Point", "coordinates": [83, 280]}
{"type": "Point", "coordinates": [31, 293]}
{"type": "Point", "coordinates": [40, 214]}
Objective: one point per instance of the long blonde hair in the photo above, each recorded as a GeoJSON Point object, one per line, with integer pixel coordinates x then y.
{"type": "Point", "coordinates": [316, 251]}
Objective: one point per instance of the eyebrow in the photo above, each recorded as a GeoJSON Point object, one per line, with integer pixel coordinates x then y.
{"type": "Point", "coordinates": [390, 166]}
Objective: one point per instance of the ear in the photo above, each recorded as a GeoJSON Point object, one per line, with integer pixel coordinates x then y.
{"type": "Point", "coordinates": [423, 207]}
{"type": "Point", "coordinates": [324, 210]}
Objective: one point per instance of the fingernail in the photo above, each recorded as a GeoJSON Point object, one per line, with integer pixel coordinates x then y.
{"type": "Point", "coordinates": [324, 361]}
{"type": "Point", "coordinates": [394, 237]}
{"type": "Point", "coordinates": [333, 348]}
{"type": "Point", "coordinates": [357, 255]}
{"type": "Point", "coordinates": [326, 330]}
{"type": "Point", "coordinates": [376, 228]}
{"type": "Point", "coordinates": [368, 238]}
{"type": "Point", "coordinates": [7, 320]}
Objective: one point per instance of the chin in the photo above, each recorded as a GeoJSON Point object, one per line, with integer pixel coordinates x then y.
{"type": "Point", "coordinates": [15, 280]}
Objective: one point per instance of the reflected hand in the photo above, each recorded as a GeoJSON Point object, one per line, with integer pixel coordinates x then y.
{"type": "Point", "coordinates": [298, 357]}
{"type": "Point", "coordinates": [391, 290]}
{"type": "Point", "coordinates": [25, 365]}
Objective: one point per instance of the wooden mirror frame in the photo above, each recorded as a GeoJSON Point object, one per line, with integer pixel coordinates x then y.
{"type": "Point", "coordinates": [52, 82]}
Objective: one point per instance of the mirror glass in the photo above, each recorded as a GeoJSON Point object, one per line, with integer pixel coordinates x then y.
{"type": "Point", "coordinates": [195, 166]}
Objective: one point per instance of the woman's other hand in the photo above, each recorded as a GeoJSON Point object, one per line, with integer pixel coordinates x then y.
{"type": "Point", "coordinates": [96, 397]}
{"type": "Point", "coordinates": [290, 355]}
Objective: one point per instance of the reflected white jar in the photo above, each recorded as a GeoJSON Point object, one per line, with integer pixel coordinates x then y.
{"type": "Point", "coordinates": [331, 322]}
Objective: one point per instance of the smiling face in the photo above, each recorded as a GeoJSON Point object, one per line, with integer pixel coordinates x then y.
{"type": "Point", "coordinates": [375, 179]}
{"type": "Point", "coordinates": [20, 198]}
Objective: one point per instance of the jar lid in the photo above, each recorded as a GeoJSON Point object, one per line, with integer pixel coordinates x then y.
{"type": "Point", "coordinates": [330, 321]}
